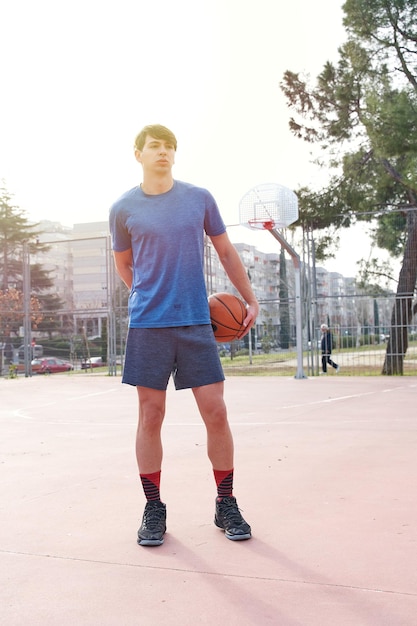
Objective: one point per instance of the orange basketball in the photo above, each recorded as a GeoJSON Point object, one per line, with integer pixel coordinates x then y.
{"type": "Point", "coordinates": [227, 313]}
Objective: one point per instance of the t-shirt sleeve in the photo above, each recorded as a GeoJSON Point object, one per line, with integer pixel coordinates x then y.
{"type": "Point", "coordinates": [120, 236]}
{"type": "Point", "coordinates": [213, 222]}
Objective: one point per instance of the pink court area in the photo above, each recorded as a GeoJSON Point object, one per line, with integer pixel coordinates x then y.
{"type": "Point", "coordinates": [325, 472]}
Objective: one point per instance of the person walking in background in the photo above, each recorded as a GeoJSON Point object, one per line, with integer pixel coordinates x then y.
{"type": "Point", "coordinates": [326, 349]}
{"type": "Point", "coordinates": [158, 231]}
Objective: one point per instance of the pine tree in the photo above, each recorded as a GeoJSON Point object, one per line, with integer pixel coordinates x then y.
{"type": "Point", "coordinates": [15, 229]}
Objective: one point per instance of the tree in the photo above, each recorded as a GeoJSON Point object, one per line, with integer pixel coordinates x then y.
{"type": "Point", "coordinates": [376, 320]}
{"type": "Point", "coordinates": [50, 302]}
{"type": "Point", "coordinates": [15, 229]}
{"type": "Point", "coordinates": [362, 114]}
{"type": "Point", "coordinates": [12, 311]}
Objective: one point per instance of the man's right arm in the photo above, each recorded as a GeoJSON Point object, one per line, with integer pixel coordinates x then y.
{"type": "Point", "coordinates": [123, 263]}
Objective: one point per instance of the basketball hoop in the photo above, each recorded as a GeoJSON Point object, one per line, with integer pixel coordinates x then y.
{"type": "Point", "coordinates": [268, 206]}
{"type": "Point", "coordinates": [260, 224]}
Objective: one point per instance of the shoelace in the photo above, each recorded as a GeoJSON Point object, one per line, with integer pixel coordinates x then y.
{"type": "Point", "coordinates": [153, 516]}
{"type": "Point", "coordinates": [231, 512]}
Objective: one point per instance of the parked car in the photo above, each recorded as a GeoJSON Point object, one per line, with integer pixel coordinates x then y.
{"type": "Point", "coordinates": [51, 365]}
{"type": "Point", "coordinates": [94, 361]}
{"type": "Point", "coordinates": [35, 365]}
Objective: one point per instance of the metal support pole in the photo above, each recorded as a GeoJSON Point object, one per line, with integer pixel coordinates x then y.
{"type": "Point", "coordinates": [27, 329]}
{"type": "Point", "coordinates": [298, 312]}
{"type": "Point", "coordinates": [111, 311]}
{"type": "Point", "coordinates": [315, 307]}
{"type": "Point", "coordinates": [308, 311]}
{"type": "Point", "coordinates": [121, 326]}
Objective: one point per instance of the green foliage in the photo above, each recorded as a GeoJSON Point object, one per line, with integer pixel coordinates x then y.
{"type": "Point", "coordinates": [374, 277]}
{"type": "Point", "coordinates": [390, 31]}
{"type": "Point", "coordinates": [284, 309]}
{"type": "Point", "coordinates": [391, 233]}
{"type": "Point", "coordinates": [103, 341]}
{"type": "Point", "coordinates": [73, 348]}
{"type": "Point", "coordinates": [241, 352]}
{"type": "Point", "coordinates": [363, 116]}
{"type": "Point", "coordinates": [266, 343]}
{"type": "Point", "coordinates": [12, 371]}
{"type": "Point", "coordinates": [347, 341]}
{"type": "Point", "coordinates": [49, 304]}
{"type": "Point", "coordinates": [58, 347]}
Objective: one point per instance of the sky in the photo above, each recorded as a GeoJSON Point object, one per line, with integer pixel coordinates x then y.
{"type": "Point", "coordinates": [81, 78]}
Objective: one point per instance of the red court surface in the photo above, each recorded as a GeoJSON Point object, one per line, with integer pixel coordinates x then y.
{"type": "Point", "coordinates": [326, 474]}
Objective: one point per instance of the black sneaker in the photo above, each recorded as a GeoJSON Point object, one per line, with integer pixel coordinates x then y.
{"type": "Point", "coordinates": [151, 532]}
{"type": "Point", "coordinates": [228, 518]}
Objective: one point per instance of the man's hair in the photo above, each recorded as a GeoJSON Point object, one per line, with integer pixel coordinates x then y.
{"type": "Point", "coordinates": [157, 131]}
{"type": "Point", "coordinates": [324, 327]}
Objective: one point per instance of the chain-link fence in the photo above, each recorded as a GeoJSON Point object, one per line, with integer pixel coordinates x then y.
{"type": "Point", "coordinates": [369, 336]}
{"type": "Point", "coordinates": [362, 340]}
{"type": "Point", "coordinates": [372, 334]}
{"type": "Point", "coordinates": [87, 328]}
{"type": "Point", "coordinates": [367, 339]}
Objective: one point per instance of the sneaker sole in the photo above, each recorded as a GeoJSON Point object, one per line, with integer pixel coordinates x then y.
{"type": "Point", "coordinates": [238, 537]}
{"type": "Point", "coordinates": [233, 537]}
{"type": "Point", "coordinates": [150, 542]}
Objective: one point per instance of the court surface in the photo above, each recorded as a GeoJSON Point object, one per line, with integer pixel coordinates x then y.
{"type": "Point", "coordinates": [325, 472]}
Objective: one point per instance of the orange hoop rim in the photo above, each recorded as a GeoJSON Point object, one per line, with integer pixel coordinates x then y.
{"type": "Point", "coordinates": [262, 224]}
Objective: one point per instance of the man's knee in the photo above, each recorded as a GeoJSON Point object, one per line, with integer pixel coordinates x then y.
{"type": "Point", "coordinates": [151, 407]}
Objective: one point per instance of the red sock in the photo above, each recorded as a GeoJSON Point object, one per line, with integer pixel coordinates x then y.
{"type": "Point", "coordinates": [224, 482]}
{"type": "Point", "coordinates": [150, 484]}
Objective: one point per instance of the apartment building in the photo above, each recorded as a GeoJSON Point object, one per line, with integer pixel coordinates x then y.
{"type": "Point", "coordinates": [80, 263]}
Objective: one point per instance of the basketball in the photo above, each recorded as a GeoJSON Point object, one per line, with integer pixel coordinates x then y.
{"type": "Point", "coordinates": [227, 313]}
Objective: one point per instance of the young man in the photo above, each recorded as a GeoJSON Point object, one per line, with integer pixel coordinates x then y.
{"type": "Point", "coordinates": [157, 233]}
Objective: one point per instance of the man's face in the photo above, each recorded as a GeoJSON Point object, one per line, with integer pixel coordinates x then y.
{"type": "Point", "coordinates": [157, 155]}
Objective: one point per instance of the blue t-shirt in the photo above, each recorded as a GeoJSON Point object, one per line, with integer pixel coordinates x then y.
{"type": "Point", "coordinates": [166, 235]}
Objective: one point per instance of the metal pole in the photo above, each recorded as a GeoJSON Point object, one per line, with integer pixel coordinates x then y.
{"type": "Point", "coordinates": [315, 308]}
{"type": "Point", "coordinates": [111, 309]}
{"type": "Point", "coordinates": [250, 335]}
{"type": "Point", "coordinates": [250, 346]}
{"type": "Point", "coordinates": [27, 330]}
{"type": "Point", "coordinates": [307, 310]}
{"type": "Point", "coordinates": [121, 326]}
{"type": "Point", "coordinates": [298, 313]}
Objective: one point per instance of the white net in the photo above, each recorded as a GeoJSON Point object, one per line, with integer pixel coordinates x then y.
{"type": "Point", "coordinates": [268, 206]}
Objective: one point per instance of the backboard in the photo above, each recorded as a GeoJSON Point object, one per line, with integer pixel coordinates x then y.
{"type": "Point", "coordinates": [268, 206]}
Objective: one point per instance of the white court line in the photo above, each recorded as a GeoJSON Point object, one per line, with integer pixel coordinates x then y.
{"type": "Point", "coordinates": [91, 395]}
{"type": "Point", "coordinates": [338, 398]}
{"type": "Point", "coordinates": [20, 412]}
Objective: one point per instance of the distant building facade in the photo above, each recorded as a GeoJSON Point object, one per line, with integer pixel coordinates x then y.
{"type": "Point", "coordinates": [80, 261]}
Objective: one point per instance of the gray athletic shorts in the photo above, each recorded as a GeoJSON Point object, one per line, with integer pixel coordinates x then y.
{"type": "Point", "coordinates": [188, 353]}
